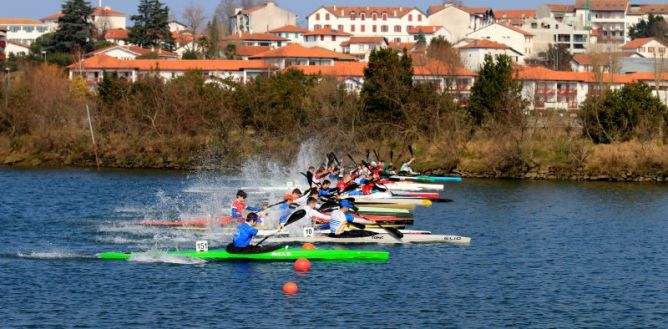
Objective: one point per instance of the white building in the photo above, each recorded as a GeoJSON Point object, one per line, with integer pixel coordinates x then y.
{"type": "Point", "coordinates": [290, 32]}
{"type": "Point", "coordinates": [17, 49]}
{"type": "Point", "coordinates": [325, 38]}
{"type": "Point", "coordinates": [23, 30]}
{"type": "Point", "coordinates": [103, 18]}
{"type": "Point", "coordinates": [362, 47]}
{"type": "Point", "coordinates": [459, 21]}
{"type": "Point", "coordinates": [258, 39]}
{"type": "Point", "coordinates": [431, 32]}
{"type": "Point", "coordinates": [392, 23]}
{"type": "Point", "coordinates": [514, 37]}
{"type": "Point", "coordinates": [607, 16]}
{"type": "Point", "coordinates": [548, 31]}
{"type": "Point", "coordinates": [473, 53]}
{"type": "Point", "coordinates": [3, 43]}
{"type": "Point", "coordinates": [93, 69]}
{"type": "Point", "coordinates": [646, 47]}
{"type": "Point", "coordinates": [262, 18]}
{"type": "Point", "coordinates": [294, 54]}
{"type": "Point", "coordinates": [130, 52]}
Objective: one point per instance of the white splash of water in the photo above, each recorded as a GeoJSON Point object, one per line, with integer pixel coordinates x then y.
{"type": "Point", "coordinates": [157, 256]}
{"type": "Point", "coordinates": [52, 255]}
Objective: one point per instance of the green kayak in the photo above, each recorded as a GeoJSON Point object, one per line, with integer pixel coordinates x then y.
{"type": "Point", "coordinates": [278, 255]}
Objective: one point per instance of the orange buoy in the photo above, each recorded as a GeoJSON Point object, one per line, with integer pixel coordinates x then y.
{"type": "Point", "coordinates": [302, 265]}
{"type": "Point", "coordinates": [290, 288]}
{"type": "Point", "coordinates": [308, 245]}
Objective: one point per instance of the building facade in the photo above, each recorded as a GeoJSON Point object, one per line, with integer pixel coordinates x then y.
{"type": "Point", "coordinates": [548, 31]}
{"type": "Point", "coordinates": [514, 37]}
{"type": "Point", "coordinates": [261, 18]}
{"type": "Point", "coordinates": [393, 23]}
{"type": "Point", "coordinates": [23, 30]}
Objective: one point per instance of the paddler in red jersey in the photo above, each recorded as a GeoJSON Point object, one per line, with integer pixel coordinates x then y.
{"type": "Point", "coordinates": [239, 205]}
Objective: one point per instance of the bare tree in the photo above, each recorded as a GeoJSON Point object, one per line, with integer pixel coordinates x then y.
{"type": "Point", "coordinates": [224, 11]}
{"type": "Point", "coordinates": [248, 3]}
{"type": "Point", "coordinates": [194, 17]}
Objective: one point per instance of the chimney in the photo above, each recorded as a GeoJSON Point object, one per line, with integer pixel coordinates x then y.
{"type": "Point", "coordinates": [99, 3]}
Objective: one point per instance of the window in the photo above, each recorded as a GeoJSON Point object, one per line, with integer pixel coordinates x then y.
{"type": "Point", "coordinates": [374, 29]}
{"type": "Point", "coordinates": [317, 17]}
{"type": "Point", "coordinates": [333, 38]}
{"type": "Point", "coordinates": [398, 40]}
{"type": "Point", "coordinates": [362, 16]}
{"type": "Point", "coordinates": [340, 27]}
{"type": "Point", "coordinates": [317, 26]}
{"type": "Point", "coordinates": [327, 16]}
{"type": "Point", "coordinates": [419, 18]}
{"type": "Point", "coordinates": [352, 15]}
{"type": "Point", "coordinates": [14, 28]}
{"type": "Point", "coordinates": [409, 27]}
{"type": "Point", "coordinates": [41, 29]}
{"type": "Point", "coordinates": [650, 49]}
{"type": "Point", "coordinates": [327, 26]}
{"type": "Point", "coordinates": [29, 28]}
{"type": "Point", "coordinates": [534, 25]}
{"type": "Point", "coordinates": [384, 29]}
{"type": "Point", "coordinates": [662, 50]}
{"type": "Point", "coordinates": [362, 28]}
{"type": "Point", "coordinates": [322, 38]}
{"type": "Point", "coordinates": [374, 16]}
{"type": "Point", "coordinates": [384, 16]}
{"type": "Point", "coordinates": [410, 18]}
{"type": "Point", "coordinates": [641, 49]}
{"type": "Point", "coordinates": [397, 28]}
{"type": "Point", "coordinates": [352, 28]}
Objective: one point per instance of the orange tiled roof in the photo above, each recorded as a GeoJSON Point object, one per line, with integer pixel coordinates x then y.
{"type": "Point", "coordinates": [476, 10]}
{"type": "Point", "coordinates": [116, 34]}
{"type": "Point", "coordinates": [299, 51]}
{"type": "Point", "coordinates": [365, 40]}
{"type": "Point", "coordinates": [540, 73]}
{"type": "Point", "coordinates": [327, 31]}
{"type": "Point", "coordinates": [133, 49]}
{"type": "Point", "coordinates": [339, 69]}
{"type": "Point", "coordinates": [103, 62]}
{"type": "Point", "coordinates": [345, 11]}
{"type": "Point", "coordinates": [516, 29]}
{"type": "Point", "coordinates": [289, 29]}
{"type": "Point", "coordinates": [635, 43]}
{"type": "Point", "coordinates": [19, 21]}
{"type": "Point", "coordinates": [251, 50]}
{"type": "Point", "coordinates": [424, 29]}
{"type": "Point", "coordinates": [516, 13]}
{"type": "Point", "coordinates": [603, 5]}
{"type": "Point", "coordinates": [560, 7]}
{"type": "Point", "coordinates": [98, 11]}
{"type": "Point", "coordinates": [656, 9]}
{"type": "Point", "coordinates": [182, 38]}
{"type": "Point", "coordinates": [434, 67]}
{"type": "Point", "coordinates": [484, 44]}
{"type": "Point", "coordinates": [402, 45]}
{"type": "Point", "coordinates": [256, 37]}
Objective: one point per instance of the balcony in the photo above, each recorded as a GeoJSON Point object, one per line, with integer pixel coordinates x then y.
{"type": "Point", "coordinates": [545, 91]}
{"type": "Point", "coordinates": [567, 91]}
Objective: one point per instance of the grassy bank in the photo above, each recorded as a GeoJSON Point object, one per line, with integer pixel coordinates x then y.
{"type": "Point", "coordinates": [188, 123]}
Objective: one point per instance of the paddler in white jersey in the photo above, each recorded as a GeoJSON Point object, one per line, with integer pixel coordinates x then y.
{"type": "Point", "coordinates": [297, 229]}
{"type": "Point", "coordinates": [340, 220]}
{"type": "Point", "coordinates": [407, 169]}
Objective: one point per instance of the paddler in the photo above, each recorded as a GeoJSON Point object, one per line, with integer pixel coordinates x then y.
{"type": "Point", "coordinates": [239, 205]}
{"type": "Point", "coordinates": [309, 218]}
{"type": "Point", "coordinates": [241, 240]}
{"type": "Point", "coordinates": [407, 169]}
{"type": "Point", "coordinates": [325, 191]}
{"type": "Point", "coordinates": [340, 219]}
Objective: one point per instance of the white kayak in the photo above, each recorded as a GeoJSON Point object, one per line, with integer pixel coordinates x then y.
{"type": "Point", "coordinates": [378, 239]}
{"type": "Point", "coordinates": [387, 197]}
{"type": "Point", "coordinates": [412, 186]}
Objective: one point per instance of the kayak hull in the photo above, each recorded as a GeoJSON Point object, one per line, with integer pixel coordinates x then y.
{"type": "Point", "coordinates": [377, 239]}
{"type": "Point", "coordinates": [430, 179]}
{"type": "Point", "coordinates": [287, 254]}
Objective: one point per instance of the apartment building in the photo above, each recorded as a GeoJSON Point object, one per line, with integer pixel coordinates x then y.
{"type": "Point", "coordinates": [548, 30]}
{"type": "Point", "coordinates": [514, 37]}
{"type": "Point", "coordinates": [326, 37]}
{"type": "Point", "coordinates": [460, 21]}
{"type": "Point", "coordinates": [393, 23]}
{"type": "Point", "coordinates": [291, 32]}
{"type": "Point", "coordinates": [430, 32]}
{"type": "Point", "coordinates": [473, 53]}
{"type": "Point", "coordinates": [261, 18]}
{"type": "Point", "coordinates": [294, 54]}
{"type": "Point", "coordinates": [606, 16]}
{"type": "Point", "coordinates": [361, 47]}
{"type": "Point", "coordinates": [646, 47]}
{"type": "Point", "coordinates": [3, 43]}
{"type": "Point", "coordinates": [23, 30]}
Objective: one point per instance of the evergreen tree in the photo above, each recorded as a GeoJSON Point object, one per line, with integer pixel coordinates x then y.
{"type": "Point", "coordinates": [654, 26]}
{"type": "Point", "coordinates": [151, 26]}
{"type": "Point", "coordinates": [213, 38]}
{"type": "Point", "coordinates": [495, 94]}
{"type": "Point", "coordinates": [74, 28]}
{"type": "Point", "coordinates": [421, 38]}
{"type": "Point", "coordinates": [557, 57]}
{"type": "Point", "coordinates": [388, 83]}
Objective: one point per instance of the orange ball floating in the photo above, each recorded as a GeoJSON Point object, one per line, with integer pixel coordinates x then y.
{"type": "Point", "coordinates": [290, 288]}
{"type": "Point", "coordinates": [302, 265]}
{"type": "Point", "coordinates": [308, 245]}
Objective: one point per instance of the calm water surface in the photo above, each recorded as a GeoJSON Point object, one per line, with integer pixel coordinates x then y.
{"type": "Point", "coordinates": [544, 254]}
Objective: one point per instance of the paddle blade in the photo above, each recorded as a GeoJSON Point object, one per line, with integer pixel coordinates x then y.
{"type": "Point", "coordinates": [443, 200]}
{"type": "Point", "coordinates": [394, 232]}
{"type": "Point", "coordinates": [376, 154]}
{"type": "Point", "coordinates": [391, 155]}
{"type": "Point", "coordinates": [367, 155]}
{"type": "Point", "coordinates": [410, 149]}
{"type": "Point", "coordinates": [351, 158]}
{"type": "Point", "coordinates": [297, 215]}
{"type": "Point", "coordinates": [357, 225]}
{"type": "Point", "coordinates": [351, 187]}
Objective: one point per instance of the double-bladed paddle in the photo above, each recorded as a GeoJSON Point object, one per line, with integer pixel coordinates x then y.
{"type": "Point", "coordinates": [295, 216]}
{"type": "Point", "coordinates": [390, 230]}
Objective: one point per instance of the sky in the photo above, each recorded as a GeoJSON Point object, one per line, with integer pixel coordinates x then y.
{"type": "Point", "coordinates": [41, 8]}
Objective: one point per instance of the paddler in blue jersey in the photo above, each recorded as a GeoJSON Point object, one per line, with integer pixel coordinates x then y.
{"type": "Point", "coordinates": [340, 220]}
{"type": "Point", "coordinates": [241, 240]}
{"type": "Point", "coordinates": [325, 191]}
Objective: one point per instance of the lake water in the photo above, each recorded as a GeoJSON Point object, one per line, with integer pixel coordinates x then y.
{"type": "Point", "coordinates": [543, 254]}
